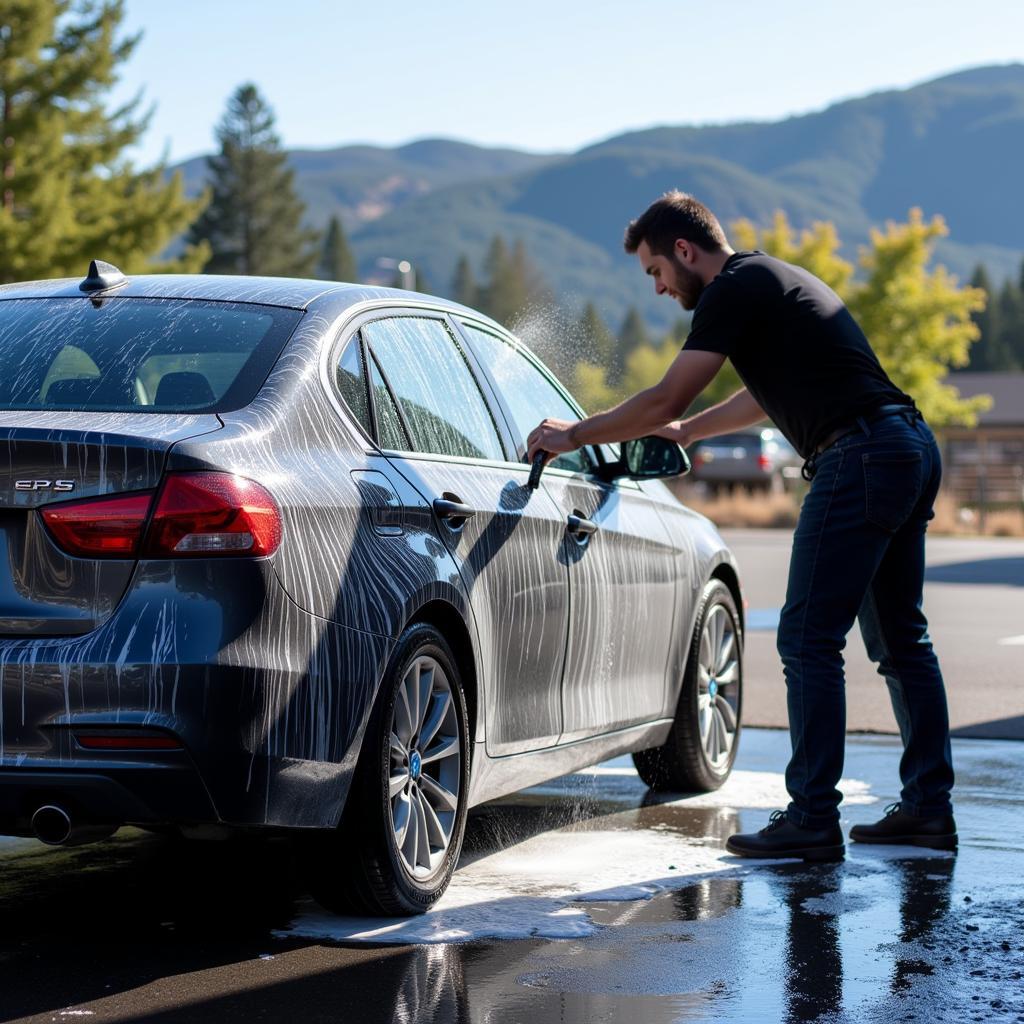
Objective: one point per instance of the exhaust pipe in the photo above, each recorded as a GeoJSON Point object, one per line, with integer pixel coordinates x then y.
{"type": "Point", "coordinates": [52, 825]}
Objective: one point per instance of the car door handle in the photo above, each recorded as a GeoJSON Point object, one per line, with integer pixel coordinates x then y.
{"type": "Point", "coordinates": [578, 526]}
{"type": "Point", "coordinates": [451, 510]}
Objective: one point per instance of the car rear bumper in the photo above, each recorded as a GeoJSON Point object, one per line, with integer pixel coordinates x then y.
{"type": "Point", "coordinates": [269, 705]}
{"type": "Point", "coordinates": [103, 794]}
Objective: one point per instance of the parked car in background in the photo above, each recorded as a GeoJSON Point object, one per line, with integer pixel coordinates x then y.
{"type": "Point", "coordinates": [758, 459]}
{"type": "Point", "coordinates": [270, 564]}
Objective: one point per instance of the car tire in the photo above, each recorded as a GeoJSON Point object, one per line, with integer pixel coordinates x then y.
{"type": "Point", "coordinates": [395, 849]}
{"type": "Point", "coordinates": [700, 750]}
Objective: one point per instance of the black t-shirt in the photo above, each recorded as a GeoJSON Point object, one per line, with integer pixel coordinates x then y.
{"type": "Point", "coordinates": [795, 346]}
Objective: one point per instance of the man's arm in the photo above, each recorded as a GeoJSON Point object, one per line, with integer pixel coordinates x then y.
{"type": "Point", "coordinates": [738, 411]}
{"type": "Point", "coordinates": [689, 374]}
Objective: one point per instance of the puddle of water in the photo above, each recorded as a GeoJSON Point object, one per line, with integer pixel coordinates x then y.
{"type": "Point", "coordinates": [539, 885]}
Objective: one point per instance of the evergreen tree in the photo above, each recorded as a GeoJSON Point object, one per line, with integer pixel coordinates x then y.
{"type": "Point", "coordinates": [513, 286]}
{"type": "Point", "coordinates": [1015, 340]}
{"type": "Point", "coordinates": [633, 332]}
{"type": "Point", "coordinates": [678, 331]}
{"type": "Point", "coordinates": [632, 336]}
{"type": "Point", "coordinates": [496, 270]}
{"type": "Point", "coordinates": [989, 351]}
{"type": "Point", "coordinates": [597, 337]}
{"type": "Point", "coordinates": [336, 260]}
{"type": "Point", "coordinates": [1009, 330]}
{"type": "Point", "coordinates": [464, 287]}
{"type": "Point", "coordinates": [254, 221]}
{"type": "Point", "coordinates": [67, 192]}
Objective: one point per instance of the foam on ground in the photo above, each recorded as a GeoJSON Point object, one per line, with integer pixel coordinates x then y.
{"type": "Point", "coordinates": [533, 888]}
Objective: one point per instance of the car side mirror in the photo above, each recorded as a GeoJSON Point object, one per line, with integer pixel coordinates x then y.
{"type": "Point", "coordinates": [647, 458]}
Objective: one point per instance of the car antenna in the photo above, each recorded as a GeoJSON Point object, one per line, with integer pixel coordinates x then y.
{"type": "Point", "coordinates": [102, 276]}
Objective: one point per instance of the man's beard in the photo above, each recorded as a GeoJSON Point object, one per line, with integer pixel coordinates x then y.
{"type": "Point", "coordinates": [688, 284]}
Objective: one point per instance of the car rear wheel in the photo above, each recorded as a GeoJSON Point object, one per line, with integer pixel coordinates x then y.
{"type": "Point", "coordinates": [701, 747]}
{"type": "Point", "coordinates": [401, 833]}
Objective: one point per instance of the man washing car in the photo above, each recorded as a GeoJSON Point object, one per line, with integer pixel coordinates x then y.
{"type": "Point", "coordinates": [858, 550]}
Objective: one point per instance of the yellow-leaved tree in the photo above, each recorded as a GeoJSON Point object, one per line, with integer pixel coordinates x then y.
{"type": "Point", "coordinates": [917, 317]}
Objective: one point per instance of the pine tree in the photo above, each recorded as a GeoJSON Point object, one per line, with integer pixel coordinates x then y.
{"type": "Point", "coordinates": [68, 192]}
{"type": "Point", "coordinates": [989, 352]}
{"type": "Point", "coordinates": [254, 221]}
{"type": "Point", "coordinates": [1015, 338]}
{"type": "Point", "coordinates": [678, 331]}
{"type": "Point", "coordinates": [464, 287]}
{"type": "Point", "coordinates": [597, 337]}
{"type": "Point", "coordinates": [633, 332]}
{"type": "Point", "coordinates": [336, 260]}
{"type": "Point", "coordinates": [1009, 330]}
{"type": "Point", "coordinates": [495, 298]}
{"type": "Point", "coordinates": [632, 336]}
{"type": "Point", "coordinates": [513, 286]}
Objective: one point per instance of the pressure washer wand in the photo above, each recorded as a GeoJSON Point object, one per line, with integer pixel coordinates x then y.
{"type": "Point", "coordinates": [536, 469]}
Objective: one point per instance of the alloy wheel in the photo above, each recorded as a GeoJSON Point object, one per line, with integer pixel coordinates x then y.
{"type": "Point", "coordinates": [425, 767]}
{"type": "Point", "coordinates": [718, 687]}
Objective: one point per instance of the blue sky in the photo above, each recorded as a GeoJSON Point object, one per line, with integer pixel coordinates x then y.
{"type": "Point", "coordinates": [537, 74]}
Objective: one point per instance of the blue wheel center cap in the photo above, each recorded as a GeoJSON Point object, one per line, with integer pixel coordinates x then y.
{"type": "Point", "coordinates": [415, 765]}
{"type": "Point", "coordinates": [712, 688]}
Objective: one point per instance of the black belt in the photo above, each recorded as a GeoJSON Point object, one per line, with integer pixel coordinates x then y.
{"type": "Point", "coordinates": [860, 423]}
{"type": "Point", "coordinates": [848, 428]}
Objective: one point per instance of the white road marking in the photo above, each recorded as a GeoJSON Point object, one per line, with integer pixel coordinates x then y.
{"type": "Point", "coordinates": [1012, 641]}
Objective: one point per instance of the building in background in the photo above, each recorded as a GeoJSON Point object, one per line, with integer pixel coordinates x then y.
{"type": "Point", "coordinates": [984, 465]}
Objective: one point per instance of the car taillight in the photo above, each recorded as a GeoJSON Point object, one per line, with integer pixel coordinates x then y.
{"type": "Point", "coordinates": [203, 514]}
{"type": "Point", "coordinates": [765, 462]}
{"type": "Point", "coordinates": [101, 527]}
{"type": "Point", "coordinates": [197, 515]}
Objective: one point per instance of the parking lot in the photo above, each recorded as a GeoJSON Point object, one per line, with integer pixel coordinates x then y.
{"type": "Point", "coordinates": [589, 899]}
{"type": "Point", "coordinates": [974, 600]}
{"type": "Point", "coordinates": [582, 900]}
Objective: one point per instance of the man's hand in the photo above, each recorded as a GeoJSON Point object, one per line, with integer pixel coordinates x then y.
{"type": "Point", "coordinates": [551, 436]}
{"type": "Point", "coordinates": [678, 431]}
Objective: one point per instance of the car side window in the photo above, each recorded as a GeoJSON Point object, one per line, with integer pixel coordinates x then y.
{"type": "Point", "coordinates": [390, 432]}
{"type": "Point", "coordinates": [351, 383]}
{"type": "Point", "coordinates": [529, 395]}
{"type": "Point", "coordinates": [434, 387]}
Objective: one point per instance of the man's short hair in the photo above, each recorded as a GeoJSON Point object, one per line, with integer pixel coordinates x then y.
{"type": "Point", "coordinates": [675, 215]}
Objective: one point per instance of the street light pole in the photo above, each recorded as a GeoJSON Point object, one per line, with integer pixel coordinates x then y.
{"type": "Point", "coordinates": [405, 270]}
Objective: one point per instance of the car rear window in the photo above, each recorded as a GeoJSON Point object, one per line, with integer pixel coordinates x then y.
{"type": "Point", "coordinates": [137, 355]}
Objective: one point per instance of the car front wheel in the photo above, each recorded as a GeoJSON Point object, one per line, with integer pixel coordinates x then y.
{"type": "Point", "coordinates": [701, 747]}
{"type": "Point", "coordinates": [401, 833]}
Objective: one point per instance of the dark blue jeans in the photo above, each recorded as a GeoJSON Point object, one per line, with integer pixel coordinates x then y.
{"type": "Point", "coordinates": [858, 552]}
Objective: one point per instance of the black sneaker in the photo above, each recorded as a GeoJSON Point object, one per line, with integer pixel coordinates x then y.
{"type": "Point", "coordinates": [900, 828]}
{"type": "Point", "coordinates": [781, 838]}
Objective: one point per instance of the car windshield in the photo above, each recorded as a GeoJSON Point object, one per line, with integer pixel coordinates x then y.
{"type": "Point", "coordinates": [137, 355]}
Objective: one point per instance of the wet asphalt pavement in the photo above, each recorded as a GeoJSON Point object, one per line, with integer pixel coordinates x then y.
{"type": "Point", "coordinates": [584, 900]}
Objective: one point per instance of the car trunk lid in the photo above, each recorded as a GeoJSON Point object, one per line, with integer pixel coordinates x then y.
{"type": "Point", "coordinates": [50, 457]}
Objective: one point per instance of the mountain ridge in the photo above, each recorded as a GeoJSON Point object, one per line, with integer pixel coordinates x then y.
{"type": "Point", "coordinates": [952, 146]}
